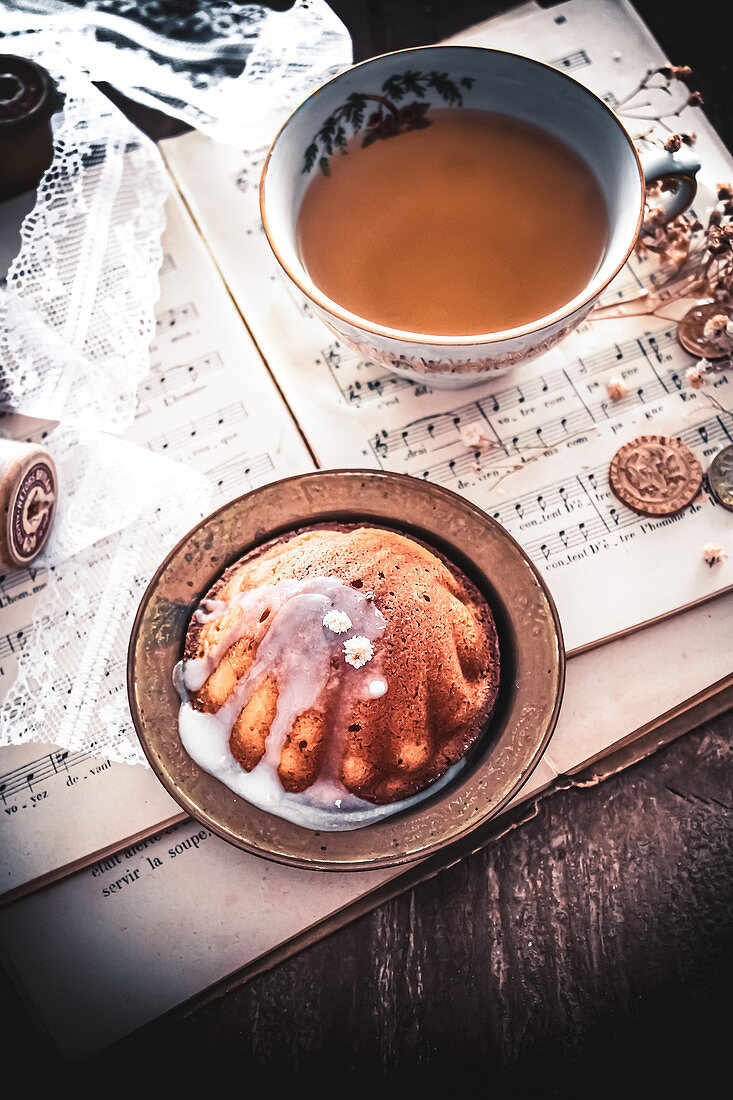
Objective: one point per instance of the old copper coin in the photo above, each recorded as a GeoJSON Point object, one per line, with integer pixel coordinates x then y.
{"type": "Point", "coordinates": [720, 477]}
{"type": "Point", "coordinates": [690, 332]}
{"type": "Point", "coordinates": [656, 475]}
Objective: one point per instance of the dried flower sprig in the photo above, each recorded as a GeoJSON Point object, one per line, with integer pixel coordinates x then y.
{"type": "Point", "coordinates": [697, 264]}
{"type": "Point", "coordinates": [639, 103]}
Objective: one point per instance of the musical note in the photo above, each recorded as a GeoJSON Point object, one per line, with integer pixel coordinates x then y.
{"type": "Point", "coordinates": [169, 318]}
{"type": "Point", "coordinates": [239, 475]}
{"type": "Point", "coordinates": [60, 760]}
{"type": "Point", "coordinates": [231, 415]}
{"type": "Point", "coordinates": [13, 642]}
{"type": "Point", "coordinates": [576, 60]}
{"type": "Point", "coordinates": [179, 377]}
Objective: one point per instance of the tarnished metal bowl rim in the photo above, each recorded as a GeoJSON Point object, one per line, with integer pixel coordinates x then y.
{"type": "Point", "coordinates": [532, 680]}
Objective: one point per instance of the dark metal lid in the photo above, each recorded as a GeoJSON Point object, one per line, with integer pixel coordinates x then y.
{"type": "Point", "coordinates": [27, 94]}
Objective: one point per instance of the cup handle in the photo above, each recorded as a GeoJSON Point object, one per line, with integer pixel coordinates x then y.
{"type": "Point", "coordinates": [682, 167]}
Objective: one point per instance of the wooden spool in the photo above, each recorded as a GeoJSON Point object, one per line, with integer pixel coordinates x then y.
{"type": "Point", "coordinates": [28, 496]}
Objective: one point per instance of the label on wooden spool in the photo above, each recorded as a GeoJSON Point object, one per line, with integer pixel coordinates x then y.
{"type": "Point", "coordinates": [28, 495]}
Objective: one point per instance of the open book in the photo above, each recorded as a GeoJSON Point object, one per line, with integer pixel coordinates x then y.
{"type": "Point", "coordinates": [248, 386]}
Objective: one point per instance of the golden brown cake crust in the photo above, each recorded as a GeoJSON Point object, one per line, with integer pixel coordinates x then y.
{"type": "Point", "coordinates": [438, 654]}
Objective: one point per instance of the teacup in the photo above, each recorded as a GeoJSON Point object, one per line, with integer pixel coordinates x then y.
{"type": "Point", "coordinates": [504, 83]}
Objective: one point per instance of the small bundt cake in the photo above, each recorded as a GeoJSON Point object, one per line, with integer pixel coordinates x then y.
{"type": "Point", "coordinates": [352, 659]}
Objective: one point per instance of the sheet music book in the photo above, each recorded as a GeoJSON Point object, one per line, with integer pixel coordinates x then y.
{"type": "Point", "coordinates": [210, 402]}
{"type": "Point", "coordinates": [179, 893]}
{"type": "Point", "coordinates": [555, 426]}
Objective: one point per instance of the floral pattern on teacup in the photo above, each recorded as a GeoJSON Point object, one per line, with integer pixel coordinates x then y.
{"type": "Point", "coordinates": [389, 117]}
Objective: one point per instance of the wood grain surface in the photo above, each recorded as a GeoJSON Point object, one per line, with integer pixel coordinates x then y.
{"type": "Point", "coordinates": [589, 952]}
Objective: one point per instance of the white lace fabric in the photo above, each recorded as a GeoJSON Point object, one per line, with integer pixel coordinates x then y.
{"type": "Point", "coordinates": [233, 70]}
{"type": "Point", "coordinates": [76, 316]}
{"type": "Point", "coordinates": [121, 510]}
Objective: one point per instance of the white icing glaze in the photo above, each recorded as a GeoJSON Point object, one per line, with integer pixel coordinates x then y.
{"type": "Point", "coordinates": [296, 646]}
{"type": "Point", "coordinates": [327, 805]}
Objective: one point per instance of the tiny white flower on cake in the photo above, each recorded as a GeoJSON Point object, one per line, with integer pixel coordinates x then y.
{"type": "Point", "coordinates": [337, 621]}
{"type": "Point", "coordinates": [713, 554]}
{"type": "Point", "coordinates": [616, 389]}
{"type": "Point", "coordinates": [358, 651]}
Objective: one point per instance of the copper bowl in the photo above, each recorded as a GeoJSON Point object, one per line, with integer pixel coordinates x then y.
{"type": "Point", "coordinates": [532, 673]}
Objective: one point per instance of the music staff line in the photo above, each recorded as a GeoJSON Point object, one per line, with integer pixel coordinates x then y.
{"type": "Point", "coordinates": [618, 356]}
{"type": "Point", "coordinates": [13, 642]}
{"type": "Point", "coordinates": [428, 429]}
{"type": "Point", "coordinates": [207, 425]}
{"type": "Point", "coordinates": [713, 431]}
{"type": "Point", "coordinates": [179, 377]}
{"type": "Point", "coordinates": [38, 771]}
{"type": "Point", "coordinates": [168, 318]}
{"type": "Point", "coordinates": [578, 59]}
{"type": "Point", "coordinates": [240, 474]}
{"type": "Point", "coordinates": [586, 494]}
{"type": "Point", "coordinates": [21, 581]}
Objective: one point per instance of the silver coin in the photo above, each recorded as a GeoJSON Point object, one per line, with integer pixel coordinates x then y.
{"type": "Point", "coordinates": [720, 477]}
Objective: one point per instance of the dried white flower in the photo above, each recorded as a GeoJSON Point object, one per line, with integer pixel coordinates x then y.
{"type": "Point", "coordinates": [715, 326]}
{"type": "Point", "coordinates": [729, 328]}
{"type": "Point", "coordinates": [696, 375]}
{"type": "Point", "coordinates": [337, 621]}
{"type": "Point", "coordinates": [616, 389]}
{"type": "Point", "coordinates": [477, 437]}
{"type": "Point", "coordinates": [713, 554]}
{"type": "Point", "coordinates": [358, 651]}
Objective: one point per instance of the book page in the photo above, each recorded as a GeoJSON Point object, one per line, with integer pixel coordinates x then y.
{"type": "Point", "coordinates": [161, 920]}
{"type": "Point", "coordinates": [112, 946]}
{"type": "Point", "coordinates": [209, 402]}
{"type": "Point", "coordinates": [555, 427]}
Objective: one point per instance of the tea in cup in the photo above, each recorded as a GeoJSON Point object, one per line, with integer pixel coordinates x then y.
{"type": "Point", "coordinates": [451, 211]}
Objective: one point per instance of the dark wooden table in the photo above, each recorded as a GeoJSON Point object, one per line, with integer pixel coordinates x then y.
{"type": "Point", "coordinates": [588, 952]}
